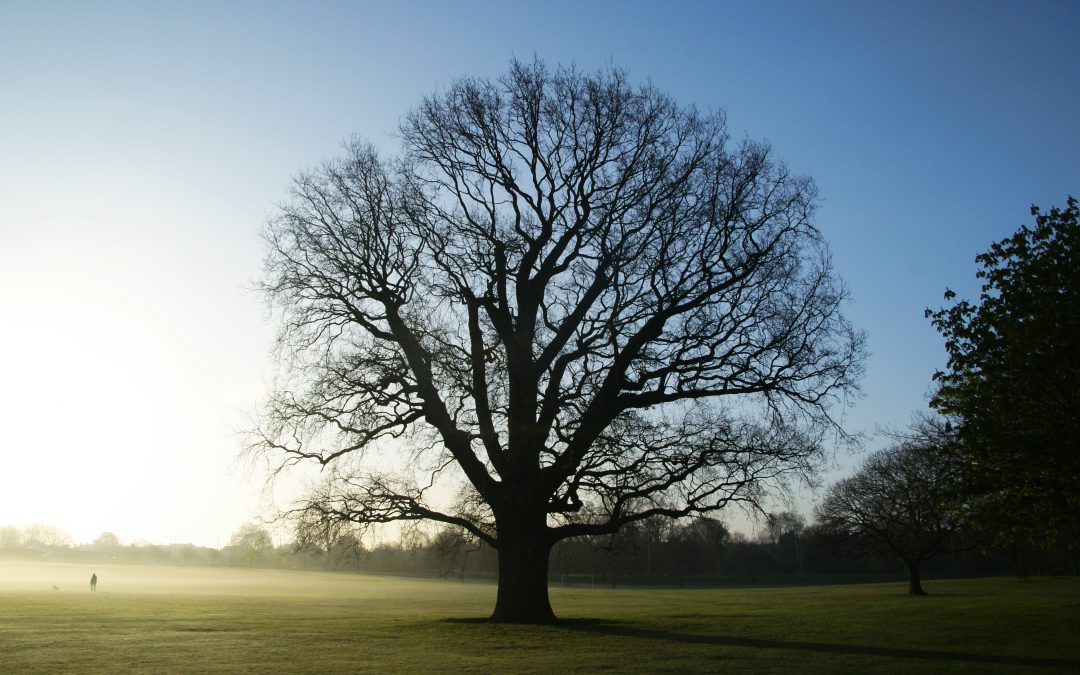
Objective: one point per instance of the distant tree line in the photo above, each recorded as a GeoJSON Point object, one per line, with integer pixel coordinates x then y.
{"type": "Point", "coordinates": [705, 552]}
{"type": "Point", "coordinates": [52, 543]}
{"type": "Point", "coordinates": [689, 552]}
{"type": "Point", "coordinates": [686, 552]}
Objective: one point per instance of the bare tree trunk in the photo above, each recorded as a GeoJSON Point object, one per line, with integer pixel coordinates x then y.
{"type": "Point", "coordinates": [914, 579]}
{"type": "Point", "coordinates": [523, 580]}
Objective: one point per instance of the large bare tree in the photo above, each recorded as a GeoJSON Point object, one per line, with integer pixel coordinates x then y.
{"type": "Point", "coordinates": [574, 297]}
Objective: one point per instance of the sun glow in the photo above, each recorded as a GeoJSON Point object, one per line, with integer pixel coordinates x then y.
{"type": "Point", "coordinates": [122, 387]}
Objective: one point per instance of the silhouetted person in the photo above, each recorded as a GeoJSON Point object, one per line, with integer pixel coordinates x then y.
{"type": "Point", "coordinates": [93, 582]}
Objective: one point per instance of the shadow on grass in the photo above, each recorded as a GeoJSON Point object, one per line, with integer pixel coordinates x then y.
{"type": "Point", "coordinates": [608, 628]}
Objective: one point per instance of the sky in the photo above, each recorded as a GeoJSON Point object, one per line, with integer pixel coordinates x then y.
{"type": "Point", "coordinates": [144, 144]}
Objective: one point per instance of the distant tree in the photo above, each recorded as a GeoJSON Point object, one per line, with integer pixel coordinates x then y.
{"type": "Point", "coordinates": [10, 537]}
{"type": "Point", "coordinates": [700, 545]}
{"type": "Point", "coordinates": [707, 531]}
{"type": "Point", "coordinates": [251, 543]}
{"type": "Point", "coordinates": [45, 535]}
{"type": "Point", "coordinates": [322, 530]}
{"type": "Point", "coordinates": [782, 524]}
{"type": "Point", "coordinates": [570, 294]}
{"type": "Point", "coordinates": [451, 547]}
{"type": "Point", "coordinates": [1012, 383]}
{"type": "Point", "coordinates": [782, 532]}
{"type": "Point", "coordinates": [746, 556]}
{"type": "Point", "coordinates": [107, 541]}
{"type": "Point", "coordinates": [189, 554]}
{"type": "Point", "coordinates": [348, 551]}
{"type": "Point", "coordinates": [897, 502]}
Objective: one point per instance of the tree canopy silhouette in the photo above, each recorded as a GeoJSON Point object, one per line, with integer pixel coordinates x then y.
{"type": "Point", "coordinates": [898, 502]}
{"type": "Point", "coordinates": [570, 302]}
{"type": "Point", "coordinates": [1013, 381]}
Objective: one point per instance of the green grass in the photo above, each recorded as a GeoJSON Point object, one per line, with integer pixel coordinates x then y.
{"type": "Point", "coordinates": [176, 619]}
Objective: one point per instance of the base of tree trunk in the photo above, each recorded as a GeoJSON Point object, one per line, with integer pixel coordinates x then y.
{"type": "Point", "coordinates": [532, 617]}
{"type": "Point", "coordinates": [514, 606]}
{"type": "Point", "coordinates": [523, 585]}
{"type": "Point", "coordinates": [914, 580]}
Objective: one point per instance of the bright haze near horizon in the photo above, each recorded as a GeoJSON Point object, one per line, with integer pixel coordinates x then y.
{"type": "Point", "coordinates": [143, 146]}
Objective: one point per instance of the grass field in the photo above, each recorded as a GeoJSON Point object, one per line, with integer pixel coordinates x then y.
{"type": "Point", "coordinates": [189, 619]}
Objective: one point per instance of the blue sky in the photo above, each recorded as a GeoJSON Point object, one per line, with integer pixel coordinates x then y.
{"type": "Point", "coordinates": [142, 146]}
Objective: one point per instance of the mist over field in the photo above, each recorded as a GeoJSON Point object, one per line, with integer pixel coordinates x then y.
{"type": "Point", "coordinates": [23, 575]}
{"type": "Point", "coordinates": [163, 618]}
{"type": "Point", "coordinates": [20, 575]}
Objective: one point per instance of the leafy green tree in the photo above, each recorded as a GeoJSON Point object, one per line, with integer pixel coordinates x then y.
{"type": "Point", "coordinates": [1013, 381]}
